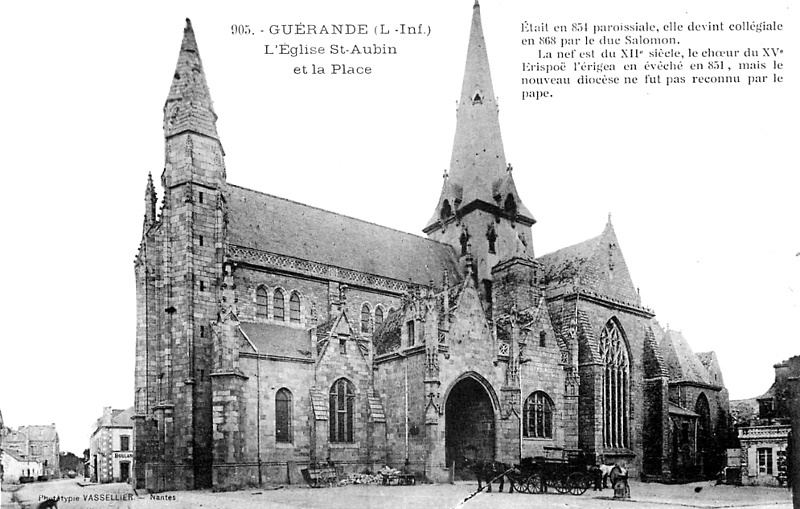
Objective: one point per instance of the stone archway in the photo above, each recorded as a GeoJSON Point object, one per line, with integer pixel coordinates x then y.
{"type": "Point", "coordinates": [469, 423]}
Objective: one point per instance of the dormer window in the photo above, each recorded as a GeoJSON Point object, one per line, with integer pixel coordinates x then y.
{"type": "Point", "coordinates": [446, 211]}
{"type": "Point", "coordinates": [477, 98]}
{"type": "Point", "coordinates": [510, 206]}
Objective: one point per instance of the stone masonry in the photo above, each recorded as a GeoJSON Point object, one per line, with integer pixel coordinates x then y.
{"type": "Point", "coordinates": [266, 343]}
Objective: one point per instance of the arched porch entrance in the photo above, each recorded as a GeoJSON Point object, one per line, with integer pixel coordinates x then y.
{"type": "Point", "coordinates": [470, 422]}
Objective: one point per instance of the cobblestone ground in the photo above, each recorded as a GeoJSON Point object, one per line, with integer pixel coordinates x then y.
{"type": "Point", "coordinates": [442, 496]}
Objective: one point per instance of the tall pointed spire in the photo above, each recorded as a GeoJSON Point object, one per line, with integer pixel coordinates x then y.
{"type": "Point", "coordinates": [479, 175]}
{"type": "Point", "coordinates": [189, 106]}
{"type": "Point", "coordinates": [478, 158]}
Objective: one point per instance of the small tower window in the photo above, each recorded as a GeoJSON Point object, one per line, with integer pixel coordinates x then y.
{"type": "Point", "coordinates": [201, 241]}
{"type": "Point", "coordinates": [491, 236]}
{"type": "Point", "coordinates": [464, 240]}
{"type": "Point", "coordinates": [277, 305]}
{"type": "Point", "coordinates": [294, 308]}
{"type": "Point", "coordinates": [201, 196]}
{"type": "Point", "coordinates": [410, 331]}
{"type": "Point", "coordinates": [202, 286]}
{"type": "Point", "coordinates": [542, 338]}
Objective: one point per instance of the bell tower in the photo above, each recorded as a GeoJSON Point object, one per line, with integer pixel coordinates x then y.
{"type": "Point", "coordinates": [479, 211]}
{"type": "Point", "coordinates": [179, 270]}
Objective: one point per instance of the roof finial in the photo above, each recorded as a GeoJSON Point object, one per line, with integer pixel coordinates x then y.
{"type": "Point", "coordinates": [476, 4]}
{"type": "Point", "coordinates": [444, 174]}
{"type": "Point", "coordinates": [609, 218]}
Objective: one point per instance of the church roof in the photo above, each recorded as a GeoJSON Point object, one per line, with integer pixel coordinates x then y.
{"type": "Point", "coordinates": [596, 264]}
{"type": "Point", "coordinates": [564, 266]}
{"type": "Point", "coordinates": [682, 364]}
{"type": "Point", "coordinates": [711, 365]}
{"type": "Point", "coordinates": [269, 223]}
{"type": "Point", "coordinates": [278, 340]}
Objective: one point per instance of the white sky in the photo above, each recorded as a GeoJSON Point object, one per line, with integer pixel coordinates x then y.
{"type": "Point", "coordinates": [701, 181]}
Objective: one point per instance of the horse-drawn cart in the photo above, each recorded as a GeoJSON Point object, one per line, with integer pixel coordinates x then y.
{"type": "Point", "coordinates": [565, 470]}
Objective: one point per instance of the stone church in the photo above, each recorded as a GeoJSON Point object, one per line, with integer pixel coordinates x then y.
{"type": "Point", "coordinates": [266, 341]}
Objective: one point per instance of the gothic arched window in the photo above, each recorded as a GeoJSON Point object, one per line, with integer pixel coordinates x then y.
{"type": "Point", "coordinates": [704, 446]}
{"type": "Point", "coordinates": [616, 378]}
{"type": "Point", "coordinates": [365, 319]}
{"type": "Point", "coordinates": [341, 411]}
{"type": "Point", "coordinates": [378, 317]}
{"type": "Point", "coordinates": [277, 305]}
{"type": "Point", "coordinates": [261, 302]}
{"type": "Point", "coordinates": [283, 416]}
{"type": "Point", "coordinates": [294, 308]}
{"type": "Point", "coordinates": [538, 416]}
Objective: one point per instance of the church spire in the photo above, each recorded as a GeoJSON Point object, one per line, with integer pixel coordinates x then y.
{"type": "Point", "coordinates": [479, 176]}
{"type": "Point", "coordinates": [478, 159]}
{"type": "Point", "coordinates": [189, 106]}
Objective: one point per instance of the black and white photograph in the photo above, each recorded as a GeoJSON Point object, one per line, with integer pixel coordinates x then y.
{"type": "Point", "coordinates": [474, 253]}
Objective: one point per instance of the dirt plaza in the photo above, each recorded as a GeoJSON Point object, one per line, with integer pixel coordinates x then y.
{"type": "Point", "coordinates": [422, 496]}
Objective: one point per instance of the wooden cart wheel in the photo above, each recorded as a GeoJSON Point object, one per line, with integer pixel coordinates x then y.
{"type": "Point", "coordinates": [534, 484]}
{"type": "Point", "coordinates": [577, 483]}
{"type": "Point", "coordinates": [561, 484]}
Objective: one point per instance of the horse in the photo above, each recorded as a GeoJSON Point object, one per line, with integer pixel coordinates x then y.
{"type": "Point", "coordinates": [489, 471]}
{"type": "Point", "coordinates": [612, 472]}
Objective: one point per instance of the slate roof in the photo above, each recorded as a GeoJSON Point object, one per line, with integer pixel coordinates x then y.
{"type": "Point", "coordinates": [17, 455]}
{"type": "Point", "coordinates": [387, 337]}
{"type": "Point", "coordinates": [564, 266]}
{"type": "Point", "coordinates": [682, 364]}
{"type": "Point", "coordinates": [122, 417]}
{"type": "Point", "coordinates": [269, 223]}
{"type": "Point", "coordinates": [770, 394]}
{"type": "Point", "coordinates": [676, 410]}
{"type": "Point", "coordinates": [278, 340]}
{"type": "Point", "coordinates": [711, 364]}
{"type": "Point", "coordinates": [376, 410]}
